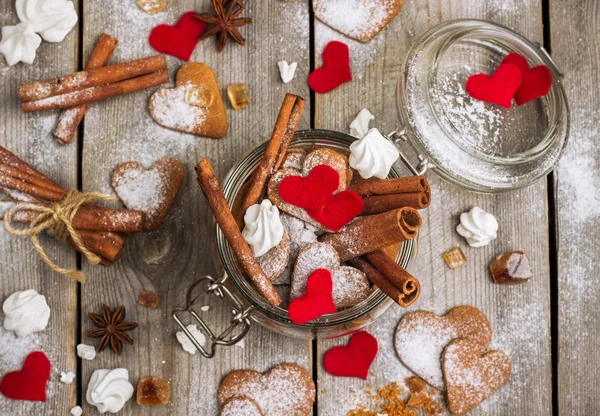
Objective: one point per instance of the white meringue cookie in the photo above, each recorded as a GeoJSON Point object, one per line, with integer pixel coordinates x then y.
{"type": "Point", "coordinates": [287, 71]}
{"type": "Point", "coordinates": [263, 229]}
{"type": "Point", "coordinates": [478, 227]}
{"type": "Point", "coordinates": [25, 312]}
{"type": "Point", "coordinates": [373, 155]}
{"type": "Point", "coordinates": [52, 19]}
{"type": "Point", "coordinates": [87, 352]}
{"type": "Point", "coordinates": [19, 44]}
{"type": "Point", "coordinates": [360, 125]}
{"type": "Point", "coordinates": [109, 390]}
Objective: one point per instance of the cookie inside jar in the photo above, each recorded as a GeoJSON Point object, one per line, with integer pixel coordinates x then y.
{"type": "Point", "coordinates": [303, 247]}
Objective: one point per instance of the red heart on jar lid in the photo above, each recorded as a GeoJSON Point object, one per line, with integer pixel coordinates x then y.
{"type": "Point", "coordinates": [535, 82]}
{"type": "Point", "coordinates": [498, 88]}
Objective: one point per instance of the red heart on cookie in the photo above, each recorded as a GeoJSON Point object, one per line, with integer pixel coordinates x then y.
{"type": "Point", "coordinates": [30, 382]}
{"type": "Point", "coordinates": [310, 192]}
{"type": "Point", "coordinates": [317, 301]}
{"type": "Point", "coordinates": [535, 82]}
{"type": "Point", "coordinates": [498, 88]}
{"type": "Point", "coordinates": [178, 40]}
{"type": "Point", "coordinates": [314, 193]}
{"type": "Point", "coordinates": [354, 359]}
{"type": "Point", "coordinates": [335, 70]}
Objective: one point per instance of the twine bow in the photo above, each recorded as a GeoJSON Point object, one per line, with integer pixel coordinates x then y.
{"type": "Point", "coordinates": [56, 220]}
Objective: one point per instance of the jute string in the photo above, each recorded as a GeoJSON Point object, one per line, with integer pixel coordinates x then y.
{"type": "Point", "coordinates": [56, 220]}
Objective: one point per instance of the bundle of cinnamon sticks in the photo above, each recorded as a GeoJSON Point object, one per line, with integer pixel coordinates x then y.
{"type": "Point", "coordinates": [95, 83]}
{"type": "Point", "coordinates": [388, 194]}
{"type": "Point", "coordinates": [102, 230]}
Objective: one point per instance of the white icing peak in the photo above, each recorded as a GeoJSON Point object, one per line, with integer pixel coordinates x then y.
{"type": "Point", "coordinates": [287, 71]}
{"type": "Point", "coordinates": [52, 19]}
{"type": "Point", "coordinates": [109, 390]}
{"type": "Point", "coordinates": [25, 313]}
{"type": "Point", "coordinates": [263, 229]}
{"type": "Point", "coordinates": [19, 44]}
{"type": "Point", "coordinates": [478, 227]}
{"type": "Point", "coordinates": [360, 125]}
{"type": "Point", "coordinates": [373, 155]}
{"type": "Point", "coordinates": [186, 343]}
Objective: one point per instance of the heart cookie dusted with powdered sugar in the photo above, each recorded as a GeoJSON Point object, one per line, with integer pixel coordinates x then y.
{"type": "Point", "coordinates": [286, 389]}
{"type": "Point", "coordinates": [152, 190]}
{"type": "Point", "coordinates": [421, 337]}
{"type": "Point", "coordinates": [241, 406]}
{"type": "Point", "coordinates": [472, 375]}
{"type": "Point", "coordinates": [194, 106]}
{"type": "Point", "coordinates": [350, 285]}
{"type": "Point", "coordinates": [357, 19]}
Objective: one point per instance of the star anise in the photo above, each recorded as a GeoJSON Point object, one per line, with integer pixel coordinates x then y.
{"type": "Point", "coordinates": [225, 22]}
{"type": "Point", "coordinates": [111, 329]}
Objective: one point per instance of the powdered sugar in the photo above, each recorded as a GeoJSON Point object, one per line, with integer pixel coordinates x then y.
{"type": "Point", "coordinates": [141, 190]}
{"type": "Point", "coordinates": [169, 109]}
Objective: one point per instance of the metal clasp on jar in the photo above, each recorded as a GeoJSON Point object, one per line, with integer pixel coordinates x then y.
{"type": "Point", "coordinates": [399, 136]}
{"type": "Point", "coordinates": [238, 327]}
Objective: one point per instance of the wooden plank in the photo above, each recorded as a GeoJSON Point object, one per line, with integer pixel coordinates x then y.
{"type": "Point", "coordinates": [29, 136]}
{"type": "Point", "coordinates": [519, 315]}
{"type": "Point", "coordinates": [170, 259]}
{"type": "Point", "coordinates": [576, 48]}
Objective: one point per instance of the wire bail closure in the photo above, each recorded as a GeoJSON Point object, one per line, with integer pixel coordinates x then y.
{"type": "Point", "coordinates": [241, 316]}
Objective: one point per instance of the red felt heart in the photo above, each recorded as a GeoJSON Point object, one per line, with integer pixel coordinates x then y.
{"type": "Point", "coordinates": [498, 88]}
{"type": "Point", "coordinates": [335, 70]}
{"type": "Point", "coordinates": [354, 359]}
{"type": "Point", "coordinates": [179, 40]}
{"type": "Point", "coordinates": [535, 82]}
{"type": "Point", "coordinates": [317, 301]}
{"type": "Point", "coordinates": [339, 210]}
{"type": "Point", "coordinates": [30, 382]}
{"type": "Point", "coordinates": [310, 192]}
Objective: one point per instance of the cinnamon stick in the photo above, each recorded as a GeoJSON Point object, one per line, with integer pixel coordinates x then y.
{"type": "Point", "coordinates": [93, 94]}
{"type": "Point", "coordinates": [378, 279]}
{"type": "Point", "coordinates": [377, 204]}
{"type": "Point", "coordinates": [69, 119]}
{"type": "Point", "coordinates": [406, 185]}
{"type": "Point", "coordinates": [94, 218]}
{"type": "Point", "coordinates": [211, 188]}
{"type": "Point", "coordinates": [374, 232]}
{"type": "Point", "coordinates": [91, 78]}
{"type": "Point", "coordinates": [107, 245]}
{"type": "Point", "coordinates": [393, 272]}
{"type": "Point", "coordinates": [10, 159]}
{"type": "Point", "coordinates": [285, 126]}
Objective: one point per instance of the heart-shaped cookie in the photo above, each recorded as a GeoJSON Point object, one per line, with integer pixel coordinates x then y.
{"type": "Point", "coordinates": [178, 40]}
{"type": "Point", "coordinates": [316, 302]}
{"type": "Point", "coordinates": [421, 337]}
{"type": "Point", "coordinates": [241, 406]}
{"type": "Point", "coordinates": [335, 70]}
{"type": "Point", "coordinates": [472, 375]}
{"type": "Point", "coordinates": [357, 19]}
{"type": "Point", "coordinates": [350, 285]}
{"type": "Point", "coordinates": [498, 88]}
{"type": "Point", "coordinates": [152, 190]}
{"type": "Point", "coordinates": [30, 382]}
{"type": "Point", "coordinates": [354, 359]}
{"type": "Point", "coordinates": [274, 261]}
{"type": "Point", "coordinates": [194, 106]}
{"type": "Point", "coordinates": [535, 82]}
{"type": "Point", "coordinates": [301, 233]}
{"type": "Point", "coordinates": [286, 389]}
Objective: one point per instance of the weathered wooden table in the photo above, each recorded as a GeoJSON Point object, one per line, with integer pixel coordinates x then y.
{"type": "Point", "coordinates": [548, 326]}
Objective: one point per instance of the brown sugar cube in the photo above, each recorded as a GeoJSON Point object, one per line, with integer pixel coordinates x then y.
{"type": "Point", "coordinates": [454, 258]}
{"type": "Point", "coordinates": [511, 268]}
{"type": "Point", "coordinates": [239, 95]}
{"type": "Point", "coordinates": [153, 391]}
{"type": "Point", "coordinates": [148, 299]}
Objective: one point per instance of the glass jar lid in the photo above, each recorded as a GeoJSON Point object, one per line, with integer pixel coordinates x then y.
{"type": "Point", "coordinates": [481, 146]}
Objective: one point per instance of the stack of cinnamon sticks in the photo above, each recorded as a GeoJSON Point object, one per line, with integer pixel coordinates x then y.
{"type": "Point", "coordinates": [388, 194]}
{"type": "Point", "coordinates": [102, 230]}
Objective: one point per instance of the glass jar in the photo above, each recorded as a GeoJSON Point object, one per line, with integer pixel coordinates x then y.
{"type": "Point", "coordinates": [247, 304]}
{"type": "Point", "coordinates": [480, 146]}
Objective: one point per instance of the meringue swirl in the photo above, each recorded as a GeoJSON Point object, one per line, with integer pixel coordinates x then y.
{"type": "Point", "coordinates": [19, 44]}
{"type": "Point", "coordinates": [109, 390]}
{"type": "Point", "coordinates": [52, 19]}
{"type": "Point", "coordinates": [360, 125]}
{"type": "Point", "coordinates": [478, 227]}
{"type": "Point", "coordinates": [373, 155]}
{"type": "Point", "coordinates": [25, 312]}
{"type": "Point", "coordinates": [263, 229]}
